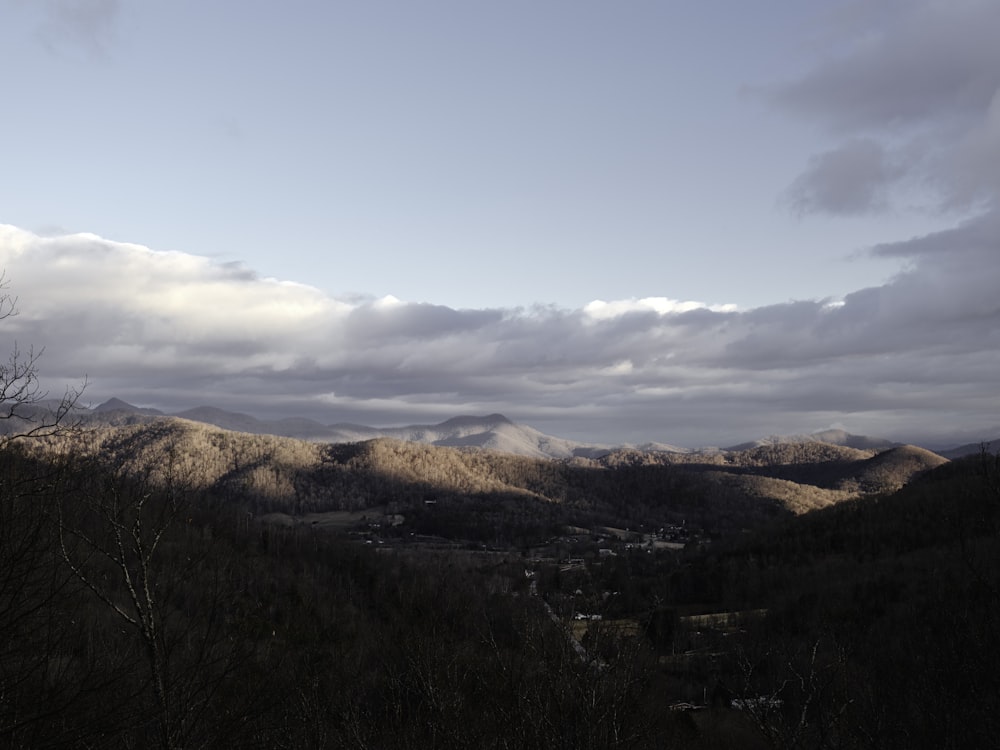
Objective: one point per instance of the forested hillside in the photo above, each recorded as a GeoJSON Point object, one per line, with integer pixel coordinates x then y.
{"type": "Point", "coordinates": [474, 489]}
{"type": "Point", "coordinates": [144, 603]}
{"type": "Point", "coordinates": [882, 614]}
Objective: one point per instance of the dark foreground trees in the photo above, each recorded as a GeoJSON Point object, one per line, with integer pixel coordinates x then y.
{"type": "Point", "coordinates": [135, 612]}
{"type": "Point", "coordinates": [140, 614]}
{"type": "Point", "coordinates": [130, 541]}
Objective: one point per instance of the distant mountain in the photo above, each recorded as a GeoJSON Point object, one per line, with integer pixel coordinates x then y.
{"type": "Point", "coordinates": [231, 420]}
{"type": "Point", "coordinates": [970, 449]}
{"type": "Point", "coordinates": [491, 432]}
{"type": "Point", "coordinates": [832, 437]}
{"type": "Point", "coordinates": [345, 432]}
{"type": "Point", "coordinates": [861, 442]}
{"type": "Point", "coordinates": [456, 430]}
{"type": "Point", "coordinates": [495, 432]}
{"type": "Point", "coordinates": [716, 492]}
{"type": "Point", "coordinates": [116, 404]}
{"type": "Point", "coordinates": [665, 448]}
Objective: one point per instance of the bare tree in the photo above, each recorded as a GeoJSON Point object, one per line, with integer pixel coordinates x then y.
{"type": "Point", "coordinates": [110, 540]}
{"type": "Point", "coordinates": [796, 696]}
{"type": "Point", "coordinates": [35, 637]}
{"type": "Point", "coordinates": [24, 404]}
{"type": "Point", "coordinates": [129, 535]}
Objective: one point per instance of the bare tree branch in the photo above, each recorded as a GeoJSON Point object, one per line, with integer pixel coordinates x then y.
{"type": "Point", "coordinates": [24, 405]}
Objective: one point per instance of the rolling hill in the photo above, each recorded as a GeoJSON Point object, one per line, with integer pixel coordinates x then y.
{"type": "Point", "coordinates": [716, 492]}
{"type": "Point", "coordinates": [492, 432]}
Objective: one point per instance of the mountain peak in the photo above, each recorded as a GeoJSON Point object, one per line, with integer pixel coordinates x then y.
{"type": "Point", "coordinates": [114, 404]}
{"type": "Point", "coordinates": [490, 420]}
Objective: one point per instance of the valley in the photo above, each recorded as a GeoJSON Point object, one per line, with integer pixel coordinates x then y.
{"type": "Point", "coordinates": [207, 586]}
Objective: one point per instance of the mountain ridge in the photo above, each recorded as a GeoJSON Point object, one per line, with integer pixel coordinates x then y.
{"type": "Point", "coordinates": [831, 436]}
{"type": "Point", "coordinates": [272, 474]}
{"type": "Point", "coordinates": [488, 432]}
{"type": "Point", "coordinates": [492, 432]}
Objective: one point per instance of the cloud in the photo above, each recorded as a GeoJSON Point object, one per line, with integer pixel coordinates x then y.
{"type": "Point", "coordinates": [853, 178]}
{"type": "Point", "coordinates": [913, 92]}
{"type": "Point", "coordinates": [601, 310]}
{"type": "Point", "coordinates": [917, 61]}
{"type": "Point", "coordinates": [911, 98]}
{"type": "Point", "coordinates": [916, 355]}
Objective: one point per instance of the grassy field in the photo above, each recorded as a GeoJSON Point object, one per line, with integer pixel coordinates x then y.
{"type": "Point", "coordinates": [334, 519]}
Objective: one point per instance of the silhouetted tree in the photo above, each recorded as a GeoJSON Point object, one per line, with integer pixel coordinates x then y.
{"type": "Point", "coordinates": [23, 402]}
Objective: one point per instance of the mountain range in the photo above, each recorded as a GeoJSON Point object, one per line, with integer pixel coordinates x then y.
{"type": "Point", "coordinates": [490, 432]}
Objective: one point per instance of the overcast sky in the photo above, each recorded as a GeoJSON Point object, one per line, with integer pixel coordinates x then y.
{"type": "Point", "coordinates": [695, 223]}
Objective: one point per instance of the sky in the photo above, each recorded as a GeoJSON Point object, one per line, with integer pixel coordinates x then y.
{"type": "Point", "coordinates": [692, 223]}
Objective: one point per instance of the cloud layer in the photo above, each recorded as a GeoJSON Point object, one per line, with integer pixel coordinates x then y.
{"type": "Point", "coordinates": [915, 357]}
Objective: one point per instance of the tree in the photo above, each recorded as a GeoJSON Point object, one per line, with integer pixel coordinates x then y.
{"type": "Point", "coordinates": [24, 405]}
{"type": "Point", "coordinates": [40, 680]}
{"type": "Point", "coordinates": [132, 535]}
{"type": "Point", "coordinates": [118, 536]}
